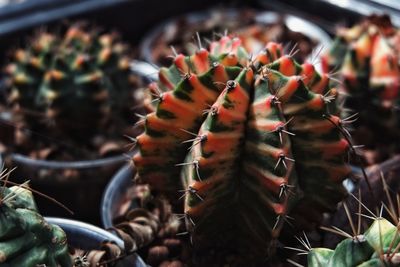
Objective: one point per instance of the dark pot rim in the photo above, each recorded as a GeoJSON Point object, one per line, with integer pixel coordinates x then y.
{"type": "Point", "coordinates": [20, 16]}
{"type": "Point", "coordinates": [121, 180]}
{"type": "Point", "coordinates": [84, 230]}
{"type": "Point", "coordinates": [54, 164]}
{"type": "Point", "coordinates": [293, 22]}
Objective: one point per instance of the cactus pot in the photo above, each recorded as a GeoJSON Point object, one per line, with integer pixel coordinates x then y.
{"type": "Point", "coordinates": [85, 236]}
{"type": "Point", "coordinates": [116, 194]}
{"type": "Point", "coordinates": [153, 40]}
{"type": "Point", "coordinates": [81, 195]}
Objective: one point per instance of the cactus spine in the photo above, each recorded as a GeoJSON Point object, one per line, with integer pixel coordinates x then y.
{"type": "Point", "coordinates": [378, 246]}
{"type": "Point", "coordinates": [250, 140]}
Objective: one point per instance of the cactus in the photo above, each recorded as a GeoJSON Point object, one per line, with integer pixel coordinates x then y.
{"type": "Point", "coordinates": [378, 246]}
{"type": "Point", "coordinates": [250, 140]}
{"type": "Point", "coordinates": [367, 58]}
{"type": "Point", "coordinates": [26, 238]}
{"type": "Point", "coordinates": [249, 25]}
{"type": "Point", "coordinates": [72, 80]}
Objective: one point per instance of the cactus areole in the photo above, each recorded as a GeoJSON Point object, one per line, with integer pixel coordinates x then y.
{"type": "Point", "coordinates": [245, 141]}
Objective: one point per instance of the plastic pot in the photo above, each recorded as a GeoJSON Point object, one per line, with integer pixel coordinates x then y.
{"type": "Point", "coordinates": [294, 23]}
{"type": "Point", "coordinates": [85, 236]}
{"type": "Point", "coordinates": [82, 195]}
{"type": "Point", "coordinates": [115, 194]}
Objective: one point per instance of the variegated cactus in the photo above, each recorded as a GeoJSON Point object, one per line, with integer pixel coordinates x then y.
{"type": "Point", "coordinates": [246, 142]}
{"type": "Point", "coordinates": [26, 239]}
{"type": "Point", "coordinates": [367, 59]}
{"type": "Point", "coordinates": [76, 80]}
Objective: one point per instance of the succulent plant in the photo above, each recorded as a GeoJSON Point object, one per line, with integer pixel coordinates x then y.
{"type": "Point", "coordinates": [26, 238]}
{"type": "Point", "coordinates": [378, 246]}
{"type": "Point", "coordinates": [246, 142]}
{"type": "Point", "coordinates": [74, 80]}
{"type": "Point", "coordinates": [367, 57]}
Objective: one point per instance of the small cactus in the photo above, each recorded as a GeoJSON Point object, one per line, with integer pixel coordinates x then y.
{"type": "Point", "coordinates": [377, 247]}
{"type": "Point", "coordinates": [74, 81]}
{"type": "Point", "coordinates": [379, 244]}
{"type": "Point", "coordinates": [246, 142]}
{"type": "Point", "coordinates": [26, 238]}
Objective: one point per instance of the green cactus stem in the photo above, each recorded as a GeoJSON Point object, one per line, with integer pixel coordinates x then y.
{"type": "Point", "coordinates": [26, 238]}
{"type": "Point", "coordinates": [377, 247]}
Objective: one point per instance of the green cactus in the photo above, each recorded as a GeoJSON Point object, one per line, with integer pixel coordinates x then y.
{"type": "Point", "coordinates": [377, 247]}
{"type": "Point", "coordinates": [367, 57]}
{"type": "Point", "coordinates": [250, 141]}
{"type": "Point", "coordinates": [73, 80]}
{"type": "Point", "coordinates": [26, 238]}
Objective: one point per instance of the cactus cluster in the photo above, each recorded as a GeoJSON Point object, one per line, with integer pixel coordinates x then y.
{"type": "Point", "coordinates": [73, 81]}
{"type": "Point", "coordinates": [26, 239]}
{"type": "Point", "coordinates": [246, 142]}
{"type": "Point", "coordinates": [367, 57]}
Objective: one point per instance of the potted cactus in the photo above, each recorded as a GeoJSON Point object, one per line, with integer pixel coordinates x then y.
{"type": "Point", "coordinates": [254, 28]}
{"type": "Point", "coordinates": [239, 144]}
{"type": "Point", "coordinates": [30, 240]}
{"type": "Point", "coordinates": [69, 103]}
{"type": "Point", "coordinates": [366, 59]}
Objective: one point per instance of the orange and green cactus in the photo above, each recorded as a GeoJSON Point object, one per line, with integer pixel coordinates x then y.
{"type": "Point", "coordinates": [245, 142]}
{"type": "Point", "coordinates": [73, 80]}
{"type": "Point", "coordinates": [367, 57]}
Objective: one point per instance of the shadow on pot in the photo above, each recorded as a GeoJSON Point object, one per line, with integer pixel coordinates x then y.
{"type": "Point", "coordinates": [87, 237]}
{"type": "Point", "coordinates": [116, 194]}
